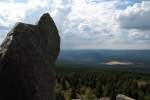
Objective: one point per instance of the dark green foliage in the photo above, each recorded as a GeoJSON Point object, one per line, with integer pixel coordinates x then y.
{"type": "Point", "coordinates": [89, 84]}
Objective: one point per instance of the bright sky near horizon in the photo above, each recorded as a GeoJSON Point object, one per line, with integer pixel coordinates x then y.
{"type": "Point", "coordinates": [86, 24]}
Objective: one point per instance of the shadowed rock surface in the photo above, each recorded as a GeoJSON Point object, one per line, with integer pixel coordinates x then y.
{"type": "Point", "coordinates": [27, 59]}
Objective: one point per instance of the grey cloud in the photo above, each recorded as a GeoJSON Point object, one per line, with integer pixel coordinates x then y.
{"type": "Point", "coordinates": [3, 27]}
{"type": "Point", "coordinates": [135, 17]}
{"type": "Point", "coordinates": [140, 35]}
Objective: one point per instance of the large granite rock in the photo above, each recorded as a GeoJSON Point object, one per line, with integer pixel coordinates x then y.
{"type": "Point", "coordinates": [27, 59]}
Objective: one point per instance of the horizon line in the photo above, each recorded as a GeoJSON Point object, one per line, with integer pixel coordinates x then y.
{"type": "Point", "coordinates": [105, 49]}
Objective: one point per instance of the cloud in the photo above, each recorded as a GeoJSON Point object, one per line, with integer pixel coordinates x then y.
{"type": "Point", "coordinates": [89, 23]}
{"type": "Point", "coordinates": [61, 9]}
{"type": "Point", "coordinates": [135, 21]}
{"type": "Point", "coordinates": [11, 13]}
{"type": "Point", "coordinates": [136, 16]}
{"type": "Point", "coordinates": [140, 35]}
{"type": "Point", "coordinates": [3, 27]}
{"type": "Point", "coordinates": [85, 23]}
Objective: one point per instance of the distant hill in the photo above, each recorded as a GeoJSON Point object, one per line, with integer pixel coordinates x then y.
{"type": "Point", "coordinates": [140, 59]}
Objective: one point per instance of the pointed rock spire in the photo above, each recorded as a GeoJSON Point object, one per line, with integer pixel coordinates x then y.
{"type": "Point", "coordinates": [27, 59]}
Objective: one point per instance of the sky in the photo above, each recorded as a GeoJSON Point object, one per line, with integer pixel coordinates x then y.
{"type": "Point", "coordinates": [85, 24]}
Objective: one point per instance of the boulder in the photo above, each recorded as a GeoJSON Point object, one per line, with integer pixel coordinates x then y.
{"type": "Point", "coordinates": [123, 97]}
{"type": "Point", "coordinates": [27, 59]}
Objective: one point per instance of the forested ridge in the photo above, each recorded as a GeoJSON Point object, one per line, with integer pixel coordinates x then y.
{"type": "Point", "coordinates": [90, 84]}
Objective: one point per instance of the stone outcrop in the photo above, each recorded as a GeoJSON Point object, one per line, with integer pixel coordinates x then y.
{"type": "Point", "coordinates": [27, 59]}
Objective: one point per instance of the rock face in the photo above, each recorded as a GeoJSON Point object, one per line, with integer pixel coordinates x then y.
{"type": "Point", "coordinates": [27, 59]}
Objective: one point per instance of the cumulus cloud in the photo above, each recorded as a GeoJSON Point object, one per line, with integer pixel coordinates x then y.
{"type": "Point", "coordinates": [140, 35]}
{"type": "Point", "coordinates": [85, 23]}
{"type": "Point", "coordinates": [13, 11]}
{"type": "Point", "coordinates": [136, 16]}
{"type": "Point", "coordinates": [135, 20]}
{"type": "Point", "coordinates": [61, 9]}
{"type": "Point", "coordinates": [90, 22]}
